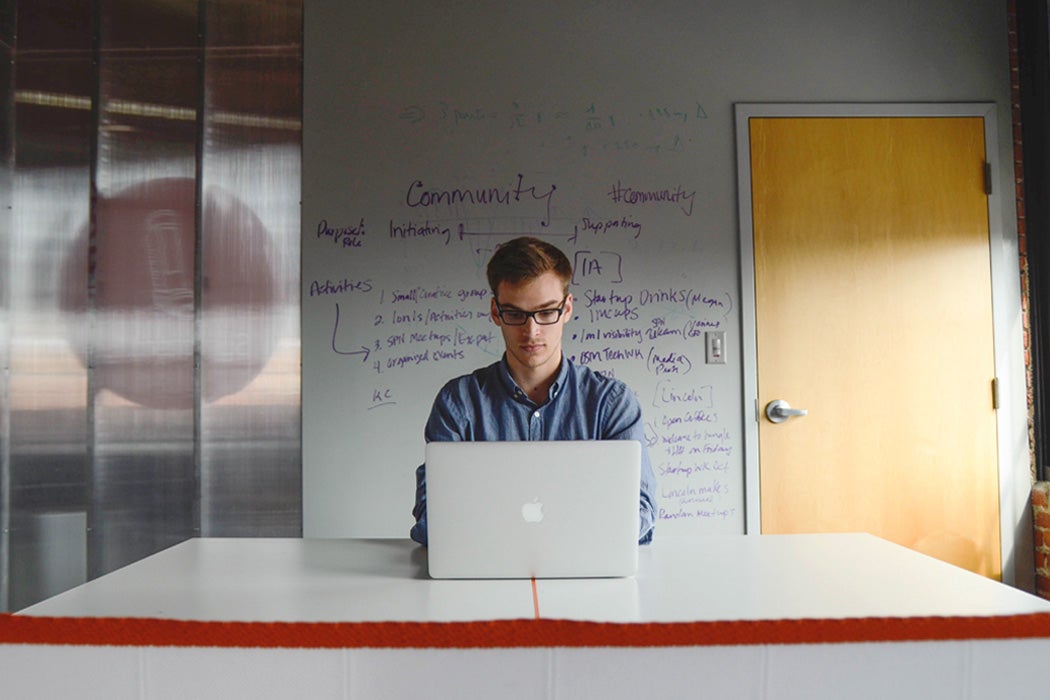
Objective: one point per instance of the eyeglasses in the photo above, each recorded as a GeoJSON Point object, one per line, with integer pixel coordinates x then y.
{"type": "Point", "coordinates": [544, 317]}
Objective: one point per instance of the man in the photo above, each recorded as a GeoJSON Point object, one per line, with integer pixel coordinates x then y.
{"type": "Point", "coordinates": [534, 392]}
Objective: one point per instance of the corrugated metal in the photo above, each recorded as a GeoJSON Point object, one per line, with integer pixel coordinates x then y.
{"type": "Point", "coordinates": [251, 479]}
{"type": "Point", "coordinates": [7, 41]}
{"type": "Point", "coordinates": [149, 332]}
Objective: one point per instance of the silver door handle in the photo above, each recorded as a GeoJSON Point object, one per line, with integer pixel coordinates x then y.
{"type": "Point", "coordinates": [780, 410]}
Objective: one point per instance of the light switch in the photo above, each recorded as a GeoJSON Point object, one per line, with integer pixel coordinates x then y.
{"type": "Point", "coordinates": [716, 347]}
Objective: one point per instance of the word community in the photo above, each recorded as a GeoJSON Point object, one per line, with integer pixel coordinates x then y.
{"type": "Point", "coordinates": [419, 196]}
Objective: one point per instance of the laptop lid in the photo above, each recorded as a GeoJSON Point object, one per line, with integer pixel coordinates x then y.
{"type": "Point", "coordinates": [544, 509]}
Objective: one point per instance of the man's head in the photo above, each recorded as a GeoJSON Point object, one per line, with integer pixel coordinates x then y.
{"type": "Point", "coordinates": [531, 304]}
{"type": "Point", "coordinates": [524, 259]}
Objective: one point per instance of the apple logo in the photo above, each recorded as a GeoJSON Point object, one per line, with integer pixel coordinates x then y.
{"type": "Point", "coordinates": [532, 512]}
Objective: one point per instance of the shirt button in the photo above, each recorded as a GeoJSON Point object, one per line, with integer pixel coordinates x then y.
{"type": "Point", "coordinates": [536, 414]}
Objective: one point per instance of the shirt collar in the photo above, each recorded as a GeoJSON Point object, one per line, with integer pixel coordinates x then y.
{"type": "Point", "coordinates": [517, 392]}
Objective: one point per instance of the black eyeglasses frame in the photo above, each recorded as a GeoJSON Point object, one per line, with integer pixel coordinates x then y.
{"type": "Point", "coordinates": [500, 311]}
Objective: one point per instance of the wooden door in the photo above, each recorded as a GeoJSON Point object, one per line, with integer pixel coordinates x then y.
{"type": "Point", "coordinates": [873, 313]}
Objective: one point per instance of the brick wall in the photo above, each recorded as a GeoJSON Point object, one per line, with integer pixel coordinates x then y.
{"type": "Point", "coordinates": [1022, 229]}
{"type": "Point", "coordinates": [1040, 490]}
{"type": "Point", "coordinates": [1041, 518]}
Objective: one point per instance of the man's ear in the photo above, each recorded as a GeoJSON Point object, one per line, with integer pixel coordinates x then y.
{"type": "Point", "coordinates": [567, 313]}
{"type": "Point", "coordinates": [494, 312]}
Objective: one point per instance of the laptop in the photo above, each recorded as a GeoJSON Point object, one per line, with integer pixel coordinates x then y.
{"type": "Point", "coordinates": [544, 509]}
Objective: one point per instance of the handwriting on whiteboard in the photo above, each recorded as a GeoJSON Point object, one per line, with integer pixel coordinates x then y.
{"type": "Point", "coordinates": [495, 197]}
{"type": "Point", "coordinates": [640, 196]}
{"type": "Point", "coordinates": [391, 329]}
{"type": "Point", "coordinates": [584, 128]}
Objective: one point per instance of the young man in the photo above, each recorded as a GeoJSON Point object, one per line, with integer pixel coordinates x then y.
{"type": "Point", "coordinates": [534, 392]}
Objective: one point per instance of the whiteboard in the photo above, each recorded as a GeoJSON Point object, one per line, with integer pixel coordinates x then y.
{"type": "Point", "coordinates": [434, 133]}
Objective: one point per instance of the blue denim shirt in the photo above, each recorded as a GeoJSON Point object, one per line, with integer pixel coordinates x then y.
{"type": "Point", "coordinates": [582, 405]}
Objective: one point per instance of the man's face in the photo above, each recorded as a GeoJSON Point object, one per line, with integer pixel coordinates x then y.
{"type": "Point", "coordinates": [533, 347]}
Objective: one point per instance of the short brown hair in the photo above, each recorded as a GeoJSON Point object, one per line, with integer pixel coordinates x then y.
{"type": "Point", "coordinates": [526, 258]}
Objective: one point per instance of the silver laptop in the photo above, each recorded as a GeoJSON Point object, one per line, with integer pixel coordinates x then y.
{"type": "Point", "coordinates": [547, 509]}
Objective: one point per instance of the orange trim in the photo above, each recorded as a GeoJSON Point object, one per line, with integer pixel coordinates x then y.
{"type": "Point", "coordinates": [535, 600]}
{"type": "Point", "coordinates": [17, 629]}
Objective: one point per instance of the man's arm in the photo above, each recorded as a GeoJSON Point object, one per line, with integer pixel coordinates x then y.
{"type": "Point", "coordinates": [647, 500]}
{"type": "Point", "coordinates": [419, 511]}
{"type": "Point", "coordinates": [624, 422]}
{"type": "Point", "coordinates": [442, 426]}
{"type": "Point", "coordinates": [647, 496]}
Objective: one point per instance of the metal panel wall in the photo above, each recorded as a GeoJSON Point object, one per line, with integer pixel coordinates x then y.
{"type": "Point", "coordinates": [49, 465]}
{"type": "Point", "coordinates": [7, 50]}
{"type": "Point", "coordinates": [152, 306]}
{"type": "Point", "coordinates": [250, 468]}
{"type": "Point", "coordinates": [141, 298]}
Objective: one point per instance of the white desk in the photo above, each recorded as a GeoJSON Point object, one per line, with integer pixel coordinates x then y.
{"type": "Point", "coordinates": [745, 583]}
{"type": "Point", "coordinates": [711, 578]}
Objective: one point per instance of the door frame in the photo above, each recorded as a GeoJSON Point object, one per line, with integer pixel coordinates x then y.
{"type": "Point", "coordinates": [1015, 477]}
